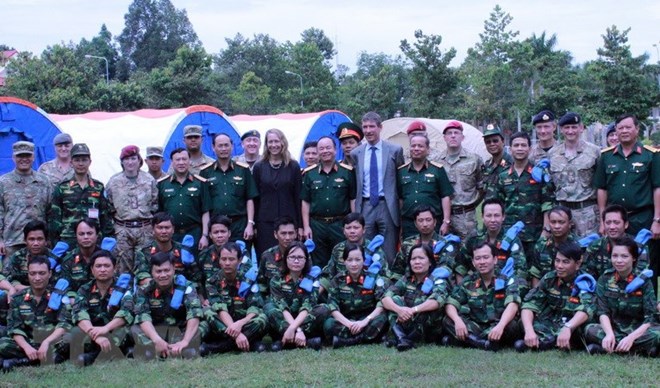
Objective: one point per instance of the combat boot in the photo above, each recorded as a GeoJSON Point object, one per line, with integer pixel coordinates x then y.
{"type": "Point", "coordinates": [87, 359]}
{"type": "Point", "coordinates": [520, 346]}
{"type": "Point", "coordinates": [257, 346]}
{"type": "Point", "coordinates": [340, 342]}
{"type": "Point", "coordinates": [208, 348]}
{"type": "Point", "coordinates": [475, 342]}
{"type": "Point", "coordinates": [548, 344]}
{"type": "Point", "coordinates": [11, 363]}
{"type": "Point", "coordinates": [314, 343]}
{"type": "Point", "coordinates": [403, 342]}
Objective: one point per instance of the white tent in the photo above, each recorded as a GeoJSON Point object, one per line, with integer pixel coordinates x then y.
{"type": "Point", "coordinates": [394, 130]}
{"type": "Point", "coordinates": [298, 128]}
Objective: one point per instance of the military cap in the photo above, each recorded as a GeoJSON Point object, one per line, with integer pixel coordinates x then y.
{"type": "Point", "coordinates": [80, 149]}
{"type": "Point", "coordinates": [129, 150]}
{"type": "Point", "coordinates": [154, 151]}
{"type": "Point", "coordinates": [349, 129]}
{"type": "Point", "coordinates": [610, 128]}
{"type": "Point", "coordinates": [62, 138]}
{"type": "Point", "coordinates": [22, 147]}
{"type": "Point", "coordinates": [251, 133]}
{"type": "Point", "coordinates": [492, 130]}
{"type": "Point", "coordinates": [543, 116]}
{"type": "Point", "coordinates": [416, 125]}
{"type": "Point", "coordinates": [569, 118]}
{"type": "Point", "coordinates": [453, 124]}
{"type": "Point", "coordinates": [192, 130]}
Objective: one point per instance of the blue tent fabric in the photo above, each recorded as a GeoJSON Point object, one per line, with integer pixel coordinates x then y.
{"type": "Point", "coordinates": [212, 121]}
{"type": "Point", "coordinates": [22, 120]}
{"type": "Point", "coordinates": [326, 125]}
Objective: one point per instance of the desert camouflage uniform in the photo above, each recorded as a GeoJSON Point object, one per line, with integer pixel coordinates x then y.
{"type": "Point", "coordinates": [54, 174]}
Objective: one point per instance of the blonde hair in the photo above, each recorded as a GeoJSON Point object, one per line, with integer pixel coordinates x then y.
{"type": "Point", "coordinates": [286, 155]}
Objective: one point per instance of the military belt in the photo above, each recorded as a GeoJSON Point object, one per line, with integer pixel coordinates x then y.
{"type": "Point", "coordinates": [578, 205]}
{"type": "Point", "coordinates": [328, 220]}
{"type": "Point", "coordinates": [463, 209]}
{"type": "Point", "coordinates": [133, 223]}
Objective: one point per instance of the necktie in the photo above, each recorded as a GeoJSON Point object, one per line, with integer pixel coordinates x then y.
{"type": "Point", "coordinates": [373, 178]}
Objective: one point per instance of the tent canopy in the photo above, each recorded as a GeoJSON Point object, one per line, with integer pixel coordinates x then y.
{"type": "Point", "coordinates": [394, 130]}
{"type": "Point", "coordinates": [22, 120]}
{"type": "Point", "coordinates": [107, 133]}
{"type": "Point", "coordinates": [298, 128]}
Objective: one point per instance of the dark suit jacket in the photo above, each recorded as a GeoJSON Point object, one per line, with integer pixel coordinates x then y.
{"type": "Point", "coordinates": [392, 159]}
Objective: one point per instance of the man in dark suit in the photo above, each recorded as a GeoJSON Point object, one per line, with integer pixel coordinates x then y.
{"type": "Point", "coordinates": [377, 162]}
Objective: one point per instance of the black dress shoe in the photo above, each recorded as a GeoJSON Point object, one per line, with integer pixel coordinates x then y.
{"type": "Point", "coordinates": [340, 342]}
{"type": "Point", "coordinates": [208, 348]}
{"type": "Point", "coordinates": [475, 342]}
{"type": "Point", "coordinates": [314, 343]}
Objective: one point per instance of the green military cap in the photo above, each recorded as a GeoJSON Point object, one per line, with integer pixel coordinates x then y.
{"type": "Point", "coordinates": [80, 149]}
{"type": "Point", "coordinates": [492, 130]}
{"type": "Point", "coordinates": [23, 147]}
{"type": "Point", "coordinates": [154, 151]}
{"type": "Point", "coordinates": [192, 130]}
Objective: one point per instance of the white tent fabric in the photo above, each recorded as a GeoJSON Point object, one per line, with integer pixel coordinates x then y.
{"type": "Point", "coordinates": [394, 130]}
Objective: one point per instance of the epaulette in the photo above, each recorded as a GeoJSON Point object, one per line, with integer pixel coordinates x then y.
{"type": "Point", "coordinates": [200, 178]}
{"type": "Point", "coordinates": [607, 149]}
{"type": "Point", "coordinates": [648, 147]}
{"type": "Point", "coordinates": [163, 178]}
{"type": "Point", "coordinates": [404, 165]}
{"type": "Point", "coordinates": [310, 168]}
{"type": "Point", "coordinates": [244, 165]}
{"type": "Point", "coordinates": [346, 166]}
{"type": "Point", "coordinates": [207, 165]}
{"type": "Point", "coordinates": [438, 165]}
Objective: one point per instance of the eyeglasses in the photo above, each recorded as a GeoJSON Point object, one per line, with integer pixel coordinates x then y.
{"type": "Point", "coordinates": [296, 258]}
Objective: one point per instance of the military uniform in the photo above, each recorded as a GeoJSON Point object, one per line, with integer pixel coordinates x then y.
{"type": "Point", "coordinates": [133, 200]}
{"type": "Point", "coordinates": [446, 258]}
{"type": "Point", "coordinates": [536, 153]}
{"type": "Point", "coordinates": [597, 258]}
{"type": "Point", "coordinates": [328, 196]}
{"type": "Point", "coordinates": [465, 172]}
{"type": "Point", "coordinates": [229, 192]}
{"type": "Point", "coordinates": [336, 264]}
{"type": "Point", "coordinates": [573, 179]}
{"type": "Point", "coordinates": [355, 302]}
{"type": "Point", "coordinates": [23, 198]}
{"type": "Point", "coordinates": [16, 269]}
{"type": "Point", "coordinates": [492, 171]}
{"type": "Point", "coordinates": [196, 165]}
{"type": "Point", "coordinates": [71, 203]}
{"type": "Point", "coordinates": [543, 259]}
{"type": "Point", "coordinates": [75, 268]}
{"type": "Point", "coordinates": [241, 159]}
{"type": "Point", "coordinates": [209, 264]}
{"type": "Point", "coordinates": [186, 202]}
{"type": "Point", "coordinates": [34, 321]}
{"type": "Point", "coordinates": [427, 186]}
{"type": "Point", "coordinates": [286, 295]}
{"type": "Point", "coordinates": [626, 311]}
{"type": "Point", "coordinates": [553, 305]}
{"type": "Point", "coordinates": [407, 291]}
{"type": "Point", "coordinates": [54, 174]}
{"type": "Point", "coordinates": [270, 266]}
{"type": "Point", "coordinates": [481, 307]}
{"type": "Point", "coordinates": [153, 305]}
{"type": "Point", "coordinates": [223, 296]}
{"type": "Point", "coordinates": [192, 272]}
{"type": "Point", "coordinates": [524, 200]}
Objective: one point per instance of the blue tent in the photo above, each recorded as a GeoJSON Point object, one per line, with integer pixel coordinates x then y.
{"type": "Point", "coordinates": [22, 120]}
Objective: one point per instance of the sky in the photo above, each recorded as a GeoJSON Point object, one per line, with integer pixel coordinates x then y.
{"type": "Point", "coordinates": [354, 26]}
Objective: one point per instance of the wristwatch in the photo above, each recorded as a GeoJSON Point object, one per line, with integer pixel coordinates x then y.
{"type": "Point", "coordinates": [657, 220]}
{"type": "Point", "coordinates": [569, 326]}
{"type": "Point", "coordinates": [251, 222]}
{"type": "Point", "coordinates": [447, 222]}
{"type": "Point", "coordinates": [298, 330]}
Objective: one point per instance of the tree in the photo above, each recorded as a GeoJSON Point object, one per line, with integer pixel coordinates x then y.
{"type": "Point", "coordinates": [319, 91]}
{"type": "Point", "coordinates": [318, 37]}
{"type": "Point", "coordinates": [154, 31]}
{"type": "Point", "coordinates": [251, 96]}
{"type": "Point", "coordinates": [433, 80]}
{"type": "Point", "coordinates": [101, 45]}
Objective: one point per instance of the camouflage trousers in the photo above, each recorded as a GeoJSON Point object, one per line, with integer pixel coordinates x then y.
{"type": "Point", "coordinates": [171, 334]}
{"type": "Point", "coordinates": [371, 333]}
{"type": "Point", "coordinates": [510, 334]}
{"type": "Point", "coordinates": [10, 349]}
{"type": "Point", "coordinates": [595, 335]}
{"type": "Point", "coordinates": [83, 343]}
{"type": "Point", "coordinates": [548, 330]}
{"type": "Point", "coordinates": [254, 329]}
{"type": "Point", "coordinates": [312, 324]}
{"type": "Point", "coordinates": [464, 225]}
{"type": "Point", "coordinates": [427, 326]}
{"type": "Point", "coordinates": [129, 242]}
{"type": "Point", "coordinates": [4, 310]}
{"type": "Point", "coordinates": [586, 220]}
{"type": "Point", "coordinates": [326, 236]}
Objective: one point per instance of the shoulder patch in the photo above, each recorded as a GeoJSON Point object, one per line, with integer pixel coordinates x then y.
{"type": "Point", "coordinates": [163, 178]}
{"type": "Point", "coordinates": [244, 165]}
{"type": "Point", "coordinates": [438, 165]}
{"type": "Point", "coordinates": [346, 166]}
{"type": "Point", "coordinates": [200, 178]}
{"type": "Point", "coordinates": [404, 165]}
{"type": "Point", "coordinates": [607, 149]}
{"type": "Point", "coordinates": [207, 165]}
{"type": "Point", "coordinates": [649, 148]}
{"type": "Point", "coordinates": [310, 168]}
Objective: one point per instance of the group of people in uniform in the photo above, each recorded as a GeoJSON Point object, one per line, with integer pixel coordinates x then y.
{"type": "Point", "coordinates": [218, 254]}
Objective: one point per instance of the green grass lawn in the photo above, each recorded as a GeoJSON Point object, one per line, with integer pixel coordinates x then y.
{"type": "Point", "coordinates": [372, 365]}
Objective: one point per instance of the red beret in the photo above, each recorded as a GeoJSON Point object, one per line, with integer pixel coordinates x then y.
{"type": "Point", "coordinates": [130, 150]}
{"type": "Point", "coordinates": [453, 124]}
{"type": "Point", "coordinates": [416, 126]}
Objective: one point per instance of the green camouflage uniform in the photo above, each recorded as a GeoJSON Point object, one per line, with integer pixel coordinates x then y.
{"type": "Point", "coordinates": [355, 303]}
{"type": "Point", "coordinates": [553, 306]}
{"type": "Point", "coordinates": [286, 295]}
{"type": "Point", "coordinates": [329, 196]}
{"type": "Point", "coordinates": [209, 264]}
{"type": "Point", "coordinates": [464, 261]}
{"type": "Point", "coordinates": [446, 258]}
{"type": "Point", "coordinates": [229, 192]}
{"type": "Point", "coordinates": [597, 257]}
{"type": "Point", "coordinates": [543, 258]}
{"type": "Point", "coordinates": [269, 267]}
{"type": "Point", "coordinates": [16, 270]}
{"type": "Point", "coordinates": [34, 321]}
{"type": "Point", "coordinates": [133, 200]}
{"type": "Point", "coordinates": [75, 269]}
{"type": "Point", "coordinates": [626, 311]}
{"type": "Point", "coordinates": [336, 264]}
{"type": "Point", "coordinates": [408, 292]}
{"type": "Point", "coordinates": [153, 305]}
{"type": "Point", "coordinates": [23, 198]}
{"type": "Point", "coordinates": [71, 203]}
{"type": "Point", "coordinates": [223, 296]}
{"type": "Point", "coordinates": [427, 186]}
{"type": "Point", "coordinates": [192, 272]}
{"type": "Point", "coordinates": [481, 307]}
{"type": "Point", "coordinates": [90, 305]}
{"type": "Point", "coordinates": [492, 171]}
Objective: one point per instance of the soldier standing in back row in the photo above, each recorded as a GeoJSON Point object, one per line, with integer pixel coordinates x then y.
{"type": "Point", "coordinates": [499, 160]}
{"type": "Point", "coordinates": [192, 138]}
{"type": "Point", "coordinates": [59, 169]}
{"type": "Point", "coordinates": [544, 123]}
